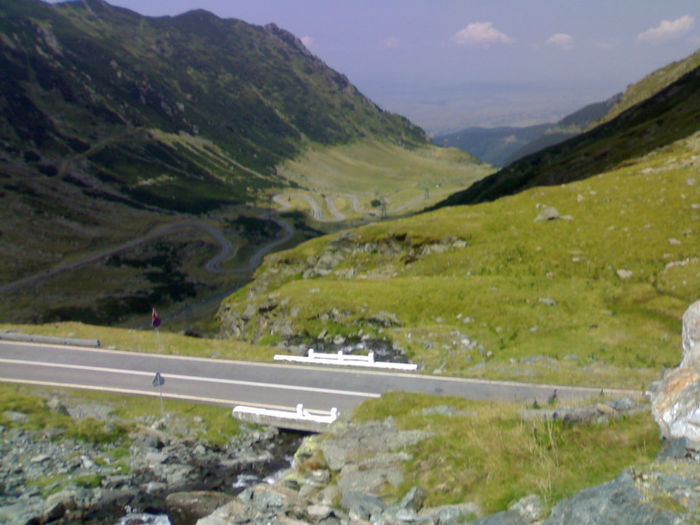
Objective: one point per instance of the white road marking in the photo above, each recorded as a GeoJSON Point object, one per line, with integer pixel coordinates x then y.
{"type": "Point", "coordinates": [414, 376]}
{"type": "Point", "coordinates": [190, 378]}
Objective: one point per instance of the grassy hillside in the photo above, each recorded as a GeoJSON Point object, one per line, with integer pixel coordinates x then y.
{"type": "Point", "coordinates": [406, 179]}
{"type": "Point", "coordinates": [594, 297]}
{"type": "Point", "coordinates": [669, 115]}
{"type": "Point", "coordinates": [651, 85]}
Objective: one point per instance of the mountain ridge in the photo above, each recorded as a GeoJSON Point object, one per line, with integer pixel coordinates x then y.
{"type": "Point", "coordinates": [669, 115]}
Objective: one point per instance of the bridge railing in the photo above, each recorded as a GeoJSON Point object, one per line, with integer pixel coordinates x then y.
{"type": "Point", "coordinates": [298, 419]}
{"type": "Point", "coordinates": [339, 358]}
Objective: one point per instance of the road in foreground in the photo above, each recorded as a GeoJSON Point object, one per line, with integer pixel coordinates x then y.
{"type": "Point", "coordinates": [229, 383]}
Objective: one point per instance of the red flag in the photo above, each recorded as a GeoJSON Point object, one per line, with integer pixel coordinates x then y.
{"type": "Point", "coordinates": [155, 318]}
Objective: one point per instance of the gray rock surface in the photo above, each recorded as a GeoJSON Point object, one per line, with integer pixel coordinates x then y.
{"type": "Point", "coordinates": [617, 502]}
{"type": "Point", "coordinates": [185, 508]}
{"type": "Point", "coordinates": [675, 400]}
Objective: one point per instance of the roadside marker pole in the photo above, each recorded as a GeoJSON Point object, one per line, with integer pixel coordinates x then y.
{"type": "Point", "coordinates": [158, 382]}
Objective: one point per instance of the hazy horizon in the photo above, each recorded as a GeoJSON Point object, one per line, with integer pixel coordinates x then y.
{"type": "Point", "coordinates": [471, 63]}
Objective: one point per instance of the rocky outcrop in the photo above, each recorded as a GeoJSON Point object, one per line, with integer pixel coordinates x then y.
{"type": "Point", "coordinates": [153, 467]}
{"type": "Point", "coordinates": [668, 492]}
{"type": "Point", "coordinates": [263, 312]}
{"type": "Point", "coordinates": [185, 508]}
{"type": "Point", "coordinates": [676, 398]}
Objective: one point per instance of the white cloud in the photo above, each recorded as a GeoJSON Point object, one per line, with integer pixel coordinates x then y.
{"type": "Point", "coordinates": [390, 42]}
{"type": "Point", "coordinates": [562, 41]}
{"type": "Point", "coordinates": [307, 41]}
{"type": "Point", "coordinates": [668, 30]}
{"type": "Point", "coordinates": [481, 34]}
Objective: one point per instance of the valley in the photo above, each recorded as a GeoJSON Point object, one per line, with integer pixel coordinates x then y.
{"type": "Point", "coordinates": [220, 172]}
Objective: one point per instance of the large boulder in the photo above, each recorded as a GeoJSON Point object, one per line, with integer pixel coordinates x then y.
{"type": "Point", "coordinates": [185, 508]}
{"type": "Point", "coordinates": [675, 400]}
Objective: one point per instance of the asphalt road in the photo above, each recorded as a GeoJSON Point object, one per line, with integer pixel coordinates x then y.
{"type": "Point", "coordinates": [229, 383]}
{"type": "Point", "coordinates": [211, 266]}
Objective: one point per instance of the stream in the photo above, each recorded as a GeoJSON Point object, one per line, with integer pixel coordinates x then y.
{"type": "Point", "coordinates": [220, 477]}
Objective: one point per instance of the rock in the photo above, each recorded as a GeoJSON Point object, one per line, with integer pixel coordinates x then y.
{"type": "Point", "coordinates": [442, 410]}
{"type": "Point", "coordinates": [604, 409]}
{"type": "Point", "coordinates": [451, 514]}
{"type": "Point", "coordinates": [507, 517]}
{"type": "Point", "coordinates": [272, 497]}
{"type": "Point", "coordinates": [548, 213]}
{"type": "Point", "coordinates": [24, 511]}
{"type": "Point", "coordinates": [54, 404]}
{"type": "Point", "coordinates": [235, 511]}
{"type": "Point", "coordinates": [618, 501]}
{"type": "Point", "coordinates": [67, 498]}
{"type": "Point", "coordinates": [529, 508]}
{"type": "Point", "coordinates": [16, 417]}
{"type": "Point", "coordinates": [675, 400]}
{"type": "Point", "coordinates": [414, 499]}
{"type": "Point", "coordinates": [39, 458]}
{"type": "Point", "coordinates": [329, 496]}
{"type": "Point", "coordinates": [185, 508]}
{"type": "Point", "coordinates": [53, 511]}
{"type": "Point", "coordinates": [623, 404]}
{"type": "Point", "coordinates": [385, 319]}
{"type": "Point", "coordinates": [548, 301]}
{"type": "Point", "coordinates": [675, 404]}
{"type": "Point", "coordinates": [153, 487]}
{"type": "Point", "coordinates": [319, 478]}
{"type": "Point", "coordinates": [318, 512]}
{"type": "Point", "coordinates": [624, 274]}
{"type": "Point", "coordinates": [361, 505]}
{"type": "Point", "coordinates": [690, 336]}
{"type": "Point", "coordinates": [679, 449]}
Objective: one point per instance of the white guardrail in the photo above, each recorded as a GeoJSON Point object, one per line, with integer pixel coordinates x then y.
{"type": "Point", "coordinates": [300, 414]}
{"type": "Point", "coordinates": [339, 358]}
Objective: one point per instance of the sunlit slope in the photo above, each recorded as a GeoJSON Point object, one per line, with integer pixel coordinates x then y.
{"type": "Point", "coordinates": [369, 170]}
{"type": "Point", "coordinates": [667, 116]}
{"type": "Point", "coordinates": [592, 297]}
{"type": "Point", "coordinates": [651, 84]}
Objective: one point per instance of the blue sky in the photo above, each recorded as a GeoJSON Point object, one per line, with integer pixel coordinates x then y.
{"type": "Point", "coordinates": [448, 64]}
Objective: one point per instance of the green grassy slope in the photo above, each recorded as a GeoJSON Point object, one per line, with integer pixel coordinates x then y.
{"type": "Point", "coordinates": [667, 116]}
{"type": "Point", "coordinates": [650, 85]}
{"type": "Point", "coordinates": [592, 298]}
{"type": "Point", "coordinates": [370, 170]}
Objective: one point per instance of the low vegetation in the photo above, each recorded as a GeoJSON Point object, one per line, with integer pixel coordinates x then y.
{"type": "Point", "coordinates": [151, 341]}
{"type": "Point", "coordinates": [487, 454]}
{"type": "Point", "coordinates": [592, 296]}
{"type": "Point", "coordinates": [375, 171]}
{"type": "Point", "coordinates": [124, 415]}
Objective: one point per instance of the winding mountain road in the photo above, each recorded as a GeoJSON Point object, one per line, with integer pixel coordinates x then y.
{"type": "Point", "coordinates": [212, 266]}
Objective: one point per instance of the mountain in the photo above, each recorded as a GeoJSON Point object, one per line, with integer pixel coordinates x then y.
{"type": "Point", "coordinates": [492, 145]}
{"type": "Point", "coordinates": [134, 96]}
{"type": "Point", "coordinates": [650, 85]}
{"type": "Point", "coordinates": [114, 125]}
{"type": "Point", "coordinates": [568, 127]}
{"type": "Point", "coordinates": [668, 115]}
{"type": "Point", "coordinates": [503, 145]}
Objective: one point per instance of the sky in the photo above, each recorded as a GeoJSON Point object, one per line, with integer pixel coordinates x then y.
{"type": "Point", "coordinates": [450, 64]}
